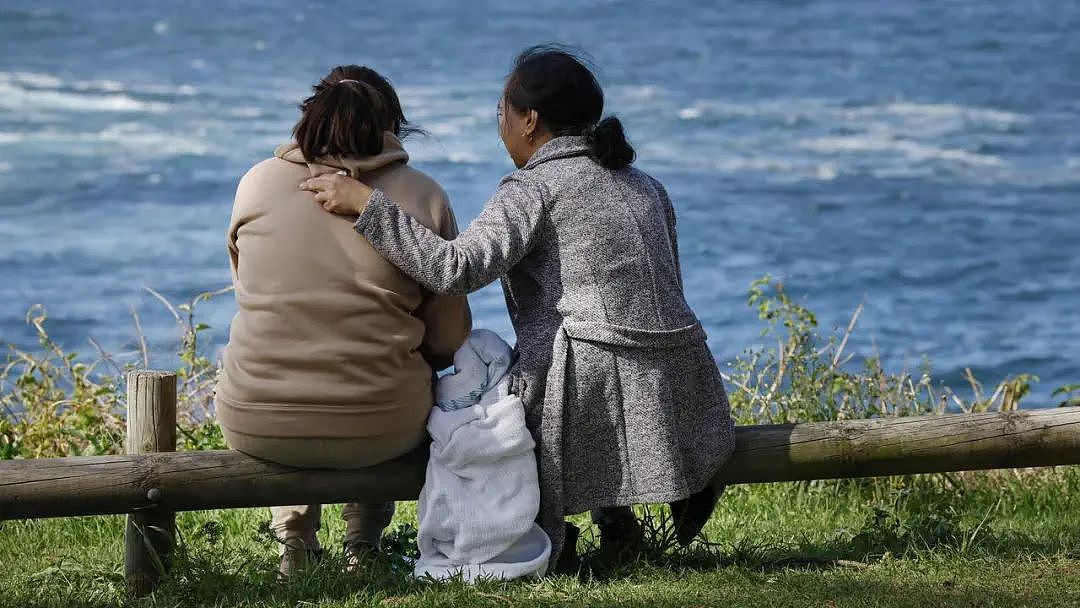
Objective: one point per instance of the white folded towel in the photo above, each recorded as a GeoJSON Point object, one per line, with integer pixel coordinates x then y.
{"type": "Point", "coordinates": [481, 495]}
{"type": "Point", "coordinates": [479, 365]}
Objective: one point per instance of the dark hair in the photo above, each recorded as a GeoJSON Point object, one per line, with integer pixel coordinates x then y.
{"type": "Point", "coordinates": [569, 101]}
{"type": "Point", "coordinates": [347, 114]}
{"type": "Point", "coordinates": [395, 117]}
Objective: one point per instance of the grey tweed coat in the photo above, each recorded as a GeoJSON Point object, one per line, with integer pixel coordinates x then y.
{"type": "Point", "coordinates": [621, 392]}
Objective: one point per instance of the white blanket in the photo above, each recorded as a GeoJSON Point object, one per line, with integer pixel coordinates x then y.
{"type": "Point", "coordinates": [480, 499]}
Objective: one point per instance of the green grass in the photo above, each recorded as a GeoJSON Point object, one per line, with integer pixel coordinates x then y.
{"type": "Point", "coordinates": [993, 539]}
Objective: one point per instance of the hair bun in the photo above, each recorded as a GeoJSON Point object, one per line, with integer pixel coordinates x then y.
{"type": "Point", "coordinates": [608, 145]}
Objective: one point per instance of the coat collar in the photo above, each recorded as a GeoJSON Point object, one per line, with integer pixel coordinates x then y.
{"type": "Point", "coordinates": [559, 147]}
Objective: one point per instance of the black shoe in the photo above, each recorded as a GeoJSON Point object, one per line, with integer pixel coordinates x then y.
{"type": "Point", "coordinates": [691, 514]}
{"type": "Point", "coordinates": [568, 562]}
{"type": "Point", "coordinates": [621, 541]}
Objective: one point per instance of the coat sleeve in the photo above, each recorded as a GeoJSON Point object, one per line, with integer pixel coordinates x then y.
{"type": "Point", "coordinates": [447, 318]}
{"type": "Point", "coordinates": [503, 234]}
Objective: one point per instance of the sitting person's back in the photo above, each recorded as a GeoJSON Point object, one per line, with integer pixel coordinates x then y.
{"type": "Point", "coordinates": [332, 350]}
{"type": "Point", "coordinates": [322, 348]}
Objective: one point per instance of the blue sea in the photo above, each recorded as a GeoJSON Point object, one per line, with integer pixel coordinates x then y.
{"type": "Point", "coordinates": [919, 158]}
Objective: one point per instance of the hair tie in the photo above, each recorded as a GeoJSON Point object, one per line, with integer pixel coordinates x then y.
{"type": "Point", "coordinates": [347, 80]}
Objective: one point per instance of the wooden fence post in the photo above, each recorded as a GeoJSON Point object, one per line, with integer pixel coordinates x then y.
{"type": "Point", "coordinates": [151, 427]}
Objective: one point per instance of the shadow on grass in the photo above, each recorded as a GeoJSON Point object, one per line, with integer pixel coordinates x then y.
{"type": "Point", "coordinates": [926, 521]}
{"type": "Point", "coordinates": [740, 572]}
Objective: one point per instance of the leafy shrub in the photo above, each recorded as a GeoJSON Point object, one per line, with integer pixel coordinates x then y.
{"type": "Point", "coordinates": [808, 376]}
{"type": "Point", "coordinates": [56, 404]}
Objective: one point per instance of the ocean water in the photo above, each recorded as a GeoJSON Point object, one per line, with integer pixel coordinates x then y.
{"type": "Point", "coordinates": [920, 158]}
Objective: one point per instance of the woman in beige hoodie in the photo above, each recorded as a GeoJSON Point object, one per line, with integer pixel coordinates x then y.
{"type": "Point", "coordinates": [332, 350]}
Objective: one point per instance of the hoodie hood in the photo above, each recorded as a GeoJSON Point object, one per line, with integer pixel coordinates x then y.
{"type": "Point", "coordinates": [392, 152]}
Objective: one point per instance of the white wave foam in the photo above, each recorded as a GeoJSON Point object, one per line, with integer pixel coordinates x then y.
{"type": "Point", "coordinates": [45, 81]}
{"type": "Point", "coordinates": [722, 109]}
{"type": "Point", "coordinates": [39, 82]}
{"type": "Point", "coordinates": [921, 118]}
{"type": "Point", "coordinates": [432, 150]}
{"type": "Point", "coordinates": [636, 92]}
{"type": "Point", "coordinates": [449, 92]}
{"type": "Point", "coordinates": [14, 97]}
{"type": "Point", "coordinates": [129, 135]}
{"type": "Point", "coordinates": [455, 126]}
{"type": "Point", "coordinates": [946, 110]}
{"type": "Point", "coordinates": [791, 167]}
{"type": "Point", "coordinates": [910, 149]}
{"type": "Point", "coordinates": [107, 86]}
{"type": "Point", "coordinates": [896, 138]}
{"type": "Point", "coordinates": [183, 90]}
{"type": "Point", "coordinates": [244, 112]}
{"type": "Point", "coordinates": [690, 113]}
{"type": "Point", "coordinates": [154, 143]}
{"type": "Point", "coordinates": [741, 160]}
{"type": "Point", "coordinates": [825, 172]}
{"type": "Point", "coordinates": [5, 167]}
{"type": "Point", "coordinates": [454, 103]}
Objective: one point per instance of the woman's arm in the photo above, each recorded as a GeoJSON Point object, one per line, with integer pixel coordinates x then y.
{"type": "Point", "coordinates": [503, 234]}
{"type": "Point", "coordinates": [447, 318]}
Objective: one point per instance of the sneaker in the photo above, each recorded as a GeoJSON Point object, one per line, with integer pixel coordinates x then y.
{"type": "Point", "coordinates": [294, 556]}
{"type": "Point", "coordinates": [357, 554]}
{"type": "Point", "coordinates": [691, 514]}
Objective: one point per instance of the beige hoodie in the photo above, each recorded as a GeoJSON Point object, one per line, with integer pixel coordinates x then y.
{"type": "Point", "coordinates": [329, 339]}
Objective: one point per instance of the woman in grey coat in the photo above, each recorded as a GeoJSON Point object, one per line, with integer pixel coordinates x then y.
{"type": "Point", "coordinates": [621, 392]}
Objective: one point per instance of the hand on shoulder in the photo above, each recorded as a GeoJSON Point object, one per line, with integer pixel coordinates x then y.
{"type": "Point", "coordinates": [339, 193]}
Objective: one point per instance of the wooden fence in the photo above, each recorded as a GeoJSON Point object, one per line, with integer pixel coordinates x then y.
{"type": "Point", "coordinates": [153, 481]}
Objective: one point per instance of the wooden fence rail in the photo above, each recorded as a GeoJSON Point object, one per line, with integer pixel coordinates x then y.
{"type": "Point", "coordinates": [185, 481]}
{"type": "Point", "coordinates": [154, 485]}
